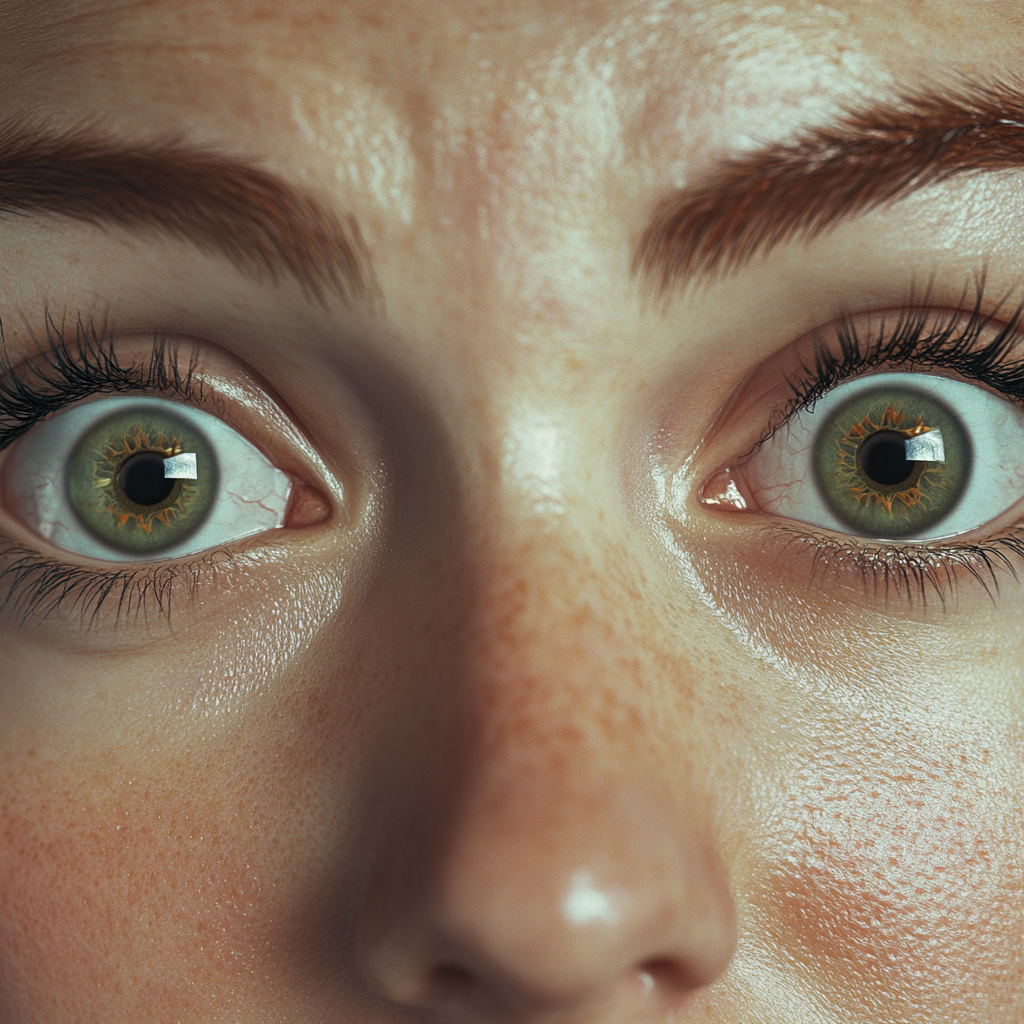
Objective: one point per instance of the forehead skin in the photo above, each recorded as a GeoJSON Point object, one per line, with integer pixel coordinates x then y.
{"type": "Point", "coordinates": [502, 159]}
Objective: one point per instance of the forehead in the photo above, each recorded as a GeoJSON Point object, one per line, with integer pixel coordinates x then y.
{"type": "Point", "coordinates": [625, 79]}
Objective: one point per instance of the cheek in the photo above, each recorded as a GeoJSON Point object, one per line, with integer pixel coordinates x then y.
{"type": "Point", "coordinates": [125, 894]}
{"type": "Point", "coordinates": [900, 890]}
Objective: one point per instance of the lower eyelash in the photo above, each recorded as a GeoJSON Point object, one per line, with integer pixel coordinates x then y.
{"type": "Point", "coordinates": [919, 573]}
{"type": "Point", "coordinates": [34, 587]}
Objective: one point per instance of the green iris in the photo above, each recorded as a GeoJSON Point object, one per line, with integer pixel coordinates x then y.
{"type": "Point", "coordinates": [863, 472]}
{"type": "Point", "coordinates": [117, 485]}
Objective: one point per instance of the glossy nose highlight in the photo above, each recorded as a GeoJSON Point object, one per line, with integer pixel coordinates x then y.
{"type": "Point", "coordinates": [526, 915]}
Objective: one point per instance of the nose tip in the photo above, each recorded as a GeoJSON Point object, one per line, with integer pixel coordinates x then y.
{"type": "Point", "coordinates": [536, 923]}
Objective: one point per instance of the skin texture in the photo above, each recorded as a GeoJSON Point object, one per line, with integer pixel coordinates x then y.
{"type": "Point", "coordinates": [506, 725]}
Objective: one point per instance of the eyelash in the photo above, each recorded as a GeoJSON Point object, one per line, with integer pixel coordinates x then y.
{"type": "Point", "coordinates": [917, 341]}
{"type": "Point", "coordinates": [64, 372]}
{"type": "Point", "coordinates": [68, 369]}
{"type": "Point", "coordinates": [34, 587]}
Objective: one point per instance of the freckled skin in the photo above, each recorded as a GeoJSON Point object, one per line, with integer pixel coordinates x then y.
{"type": "Point", "coordinates": [501, 651]}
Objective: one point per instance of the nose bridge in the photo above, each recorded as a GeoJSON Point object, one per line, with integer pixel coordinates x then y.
{"type": "Point", "coordinates": [567, 695]}
{"type": "Point", "coordinates": [549, 556]}
{"type": "Point", "coordinates": [546, 651]}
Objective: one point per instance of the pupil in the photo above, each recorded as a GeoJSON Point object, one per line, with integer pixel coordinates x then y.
{"type": "Point", "coordinates": [142, 479]}
{"type": "Point", "coordinates": [883, 458]}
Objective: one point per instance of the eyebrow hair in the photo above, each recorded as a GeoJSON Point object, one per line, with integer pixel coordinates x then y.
{"type": "Point", "coordinates": [746, 206]}
{"type": "Point", "coordinates": [267, 228]}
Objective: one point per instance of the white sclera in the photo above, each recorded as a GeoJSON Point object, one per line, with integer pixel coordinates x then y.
{"type": "Point", "coordinates": [781, 473]}
{"type": "Point", "coordinates": [252, 495]}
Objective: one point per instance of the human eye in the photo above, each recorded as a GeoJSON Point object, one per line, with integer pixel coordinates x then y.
{"type": "Point", "coordinates": [899, 454]}
{"type": "Point", "coordinates": [124, 462]}
{"type": "Point", "coordinates": [127, 479]}
{"type": "Point", "coordinates": [904, 456]}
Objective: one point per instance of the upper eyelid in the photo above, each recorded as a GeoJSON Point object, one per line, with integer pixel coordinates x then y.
{"type": "Point", "coordinates": [63, 371]}
{"type": "Point", "coordinates": [955, 340]}
{"type": "Point", "coordinates": [986, 333]}
{"type": "Point", "coordinates": [162, 365]}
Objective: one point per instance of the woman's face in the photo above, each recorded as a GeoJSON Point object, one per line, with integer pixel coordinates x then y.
{"type": "Point", "coordinates": [543, 651]}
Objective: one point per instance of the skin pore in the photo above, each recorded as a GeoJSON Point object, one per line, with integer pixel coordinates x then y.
{"type": "Point", "coordinates": [505, 724]}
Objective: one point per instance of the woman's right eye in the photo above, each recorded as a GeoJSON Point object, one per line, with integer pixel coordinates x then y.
{"type": "Point", "coordinates": [893, 456]}
{"type": "Point", "coordinates": [135, 479]}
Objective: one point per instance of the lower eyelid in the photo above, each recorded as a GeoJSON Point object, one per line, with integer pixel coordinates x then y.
{"type": "Point", "coordinates": [785, 564]}
{"type": "Point", "coordinates": [978, 568]}
{"type": "Point", "coordinates": [916, 575]}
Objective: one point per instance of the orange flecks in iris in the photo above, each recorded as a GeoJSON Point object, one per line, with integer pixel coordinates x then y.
{"type": "Point", "coordinates": [115, 455]}
{"type": "Point", "coordinates": [846, 468]}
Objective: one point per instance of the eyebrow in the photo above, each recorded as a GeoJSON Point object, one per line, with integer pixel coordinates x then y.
{"type": "Point", "coordinates": [873, 156]}
{"type": "Point", "coordinates": [267, 228]}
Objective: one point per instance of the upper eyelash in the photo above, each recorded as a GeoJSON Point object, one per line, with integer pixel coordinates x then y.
{"type": "Point", "coordinates": [914, 341]}
{"type": "Point", "coordinates": [65, 370]}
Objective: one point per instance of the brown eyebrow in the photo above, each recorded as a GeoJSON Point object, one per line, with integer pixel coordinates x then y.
{"type": "Point", "coordinates": [264, 226]}
{"type": "Point", "coordinates": [748, 205]}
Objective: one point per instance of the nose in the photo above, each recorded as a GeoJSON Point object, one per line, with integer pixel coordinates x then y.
{"type": "Point", "coordinates": [571, 868]}
{"type": "Point", "coordinates": [606, 902]}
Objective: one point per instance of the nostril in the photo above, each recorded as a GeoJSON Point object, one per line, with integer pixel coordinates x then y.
{"type": "Point", "coordinates": [665, 975]}
{"type": "Point", "coordinates": [448, 983]}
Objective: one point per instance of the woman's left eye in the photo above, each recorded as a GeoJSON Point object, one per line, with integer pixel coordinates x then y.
{"type": "Point", "coordinates": [137, 479]}
{"type": "Point", "coordinates": [894, 456]}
